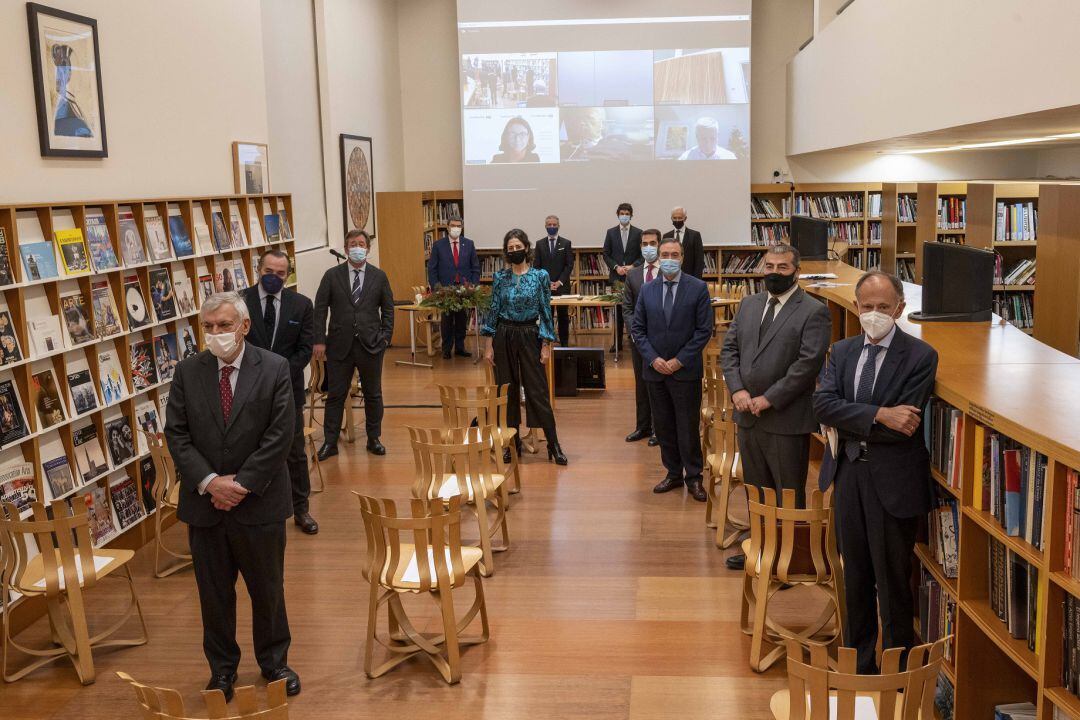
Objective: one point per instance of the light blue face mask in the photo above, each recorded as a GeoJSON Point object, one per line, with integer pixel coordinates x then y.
{"type": "Point", "coordinates": [648, 252]}
{"type": "Point", "coordinates": [670, 266]}
{"type": "Point", "coordinates": [624, 219]}
{"type": "Point", "coordinates": [357, 254]}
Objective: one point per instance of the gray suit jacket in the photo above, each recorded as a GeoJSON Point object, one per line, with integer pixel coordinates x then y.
{"type": "Point", "coordinates": [253, 445]}
{"type": "Point", "coordinates": [370, 320]}
{"type": "Point", "coordinates": [783, 367]}
{"type": "Point", "coordinates": [634, 281]}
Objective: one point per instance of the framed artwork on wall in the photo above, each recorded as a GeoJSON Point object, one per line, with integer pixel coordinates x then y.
{"type": "Point", "coordinates": [251, 168]}
{"type": "Point", "coordinates": [66, 67]}
{"type": "Point", "coordinates": [357, 183]}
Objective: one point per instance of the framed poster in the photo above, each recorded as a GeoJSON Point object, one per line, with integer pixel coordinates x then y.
{"type": "Point", "coordinates": [357, 183]}
{"type": "Point", "coordinates": [251, 168]}
{"type": "Point", "coordinates": [66, 66]}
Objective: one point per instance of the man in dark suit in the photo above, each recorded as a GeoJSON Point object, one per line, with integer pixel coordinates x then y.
{"type": "Point", "coordinates": [872, 392]}
{"type": "Point", "coordinates": [693, 248]}
{"type": "Point", "coordinates": [229, 425]}
{"type": "Point", "coordinates": [454, 262]}
{"type": "Point", "coordinates": [622, 249]}
{"type": "Point", "coordinates": [642, 273]}
{"type": "Point", "coordinates": [555, 254]}
{"type": "Point", "coordinates": [771, 357]}
{"type": "Point", "coordinates": [358, 297]}
{"type": "Point", "coordinates": [283, 324]}
{"type": "Point", "coordinates": [673, 321]}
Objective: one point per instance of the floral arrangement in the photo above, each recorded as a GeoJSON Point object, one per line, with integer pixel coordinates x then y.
{"type": "Point", "coordinates": [453, 298]}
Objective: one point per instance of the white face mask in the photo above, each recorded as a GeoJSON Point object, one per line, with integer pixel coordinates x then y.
{"type": "Point", "coordinates": [455, 232]}
{"type": "Point", "coordinates": [222, 345]}
{"type": "Point", "coordinates": [876, 324]}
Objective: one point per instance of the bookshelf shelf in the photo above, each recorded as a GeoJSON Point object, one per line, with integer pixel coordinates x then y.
{"type": "Point", "coordinates": [1014, 288]}
{"type": "Point", "coordinates": [926, 557]}
{"type": "Point", "coordinates": [771, 220]}
{"type": "Point", "coordinates": [1063, 699]}
{"type": "Point", "coordinates": [1066, 583]}
{"type": "Point", "coordinates": [952, 231]}
{"type": "Point", "coordinates": [979, 611]}
{"type": "Point", "coordinates": [944, 483]}
{"type": "Point", "coordinates": [990, 525]}
{"type": "Point", "coordinates": [1016, 243]}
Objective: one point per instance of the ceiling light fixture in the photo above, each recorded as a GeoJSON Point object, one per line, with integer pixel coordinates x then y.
{"type": "Point", "coordinates": [992, 144]}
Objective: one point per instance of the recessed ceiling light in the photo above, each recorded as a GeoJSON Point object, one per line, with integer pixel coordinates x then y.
{"type": "Point", "coordinates": [993, 144]}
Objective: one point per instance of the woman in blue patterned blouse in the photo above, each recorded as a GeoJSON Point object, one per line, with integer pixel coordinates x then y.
{"type": "Point", "coordinates": [519, 336]}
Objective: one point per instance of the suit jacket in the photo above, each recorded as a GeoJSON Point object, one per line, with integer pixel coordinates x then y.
{"type": "Point", "coordinates": [253, 444]}
{"type": "Point", "coordinates": [693, 251]}
{"type": "Point", "coordinates": [613, 250]}
{"type": "Point", "coordinates": [295, 331]}
{"type": "Point", "coordinates": [635, 280]}
{"type": "Point", "coordinates": [899, 465]}
{"type": "Point", "coordinates": [558, 266]}
{"type": "Point", "coordinates": [783, 367]}
{"type": "Point", "coordinates": [370, 321]}
{"type": "Point", "coordinates": [690, 330]}
{"type": "Point", "coordinates": [441, 269]}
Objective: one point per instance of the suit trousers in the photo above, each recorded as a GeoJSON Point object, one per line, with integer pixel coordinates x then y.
{"type": "Point", "coordinates": [338, 384]}
{"type": "Point", "coordinates": [779, 462]}
{"type": "Point", "coordinates": [454, 326]}
{"type": "Point", "coordinates": [676, 410]}
{"type": "Point", "coordinates": [298, 466]}
{"type": "Point", "coordinates": [257, 552]}
{"type": "Point", "coordinates": [517, 363]}
{"type": "Point", "coordinates": [641, 393]}
{"type": "Point", "coordinates": [618, 327]}
{"type": "Point", "coordinates": [562, 315]}
{"type": "Point", "coordinates": [876, 548]}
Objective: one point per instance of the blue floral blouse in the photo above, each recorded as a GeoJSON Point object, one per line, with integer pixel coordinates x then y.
{"type": "Point", "coordinates": [520, 298]}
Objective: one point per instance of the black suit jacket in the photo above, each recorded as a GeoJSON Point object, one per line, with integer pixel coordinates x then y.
{"type": "Point", "coordinates": [558, 266]}
{"type": "Point", "coordinates": [899, 465]}
{"type": "Point", "coordinates": [613, 250]}
{"type": "Point", "coordinates": [294, 336]}
{"type": "Point", "coordinates": [690, 330]}
{"type": "Point", "coordinates": [693, 252]}
{"type": "Point", "coordinates": [253, 445]}
{"type": "Point", "coordinates": [370, 320]}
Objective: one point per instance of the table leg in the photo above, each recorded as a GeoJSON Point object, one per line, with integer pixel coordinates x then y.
{"type": "Point", "coordinates": [476, 319]}
{"type": "Point", "coordinates": [615, 334]}
{"type": "Point", "coordinates": [412, 345]}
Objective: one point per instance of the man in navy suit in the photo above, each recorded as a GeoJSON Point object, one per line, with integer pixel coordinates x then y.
{"type": "Point", "coordinates": [622, 250]}
{"type": "Point", "coordinates": [672, 324]}
{"type": "Point", "coordinates": [454, 262]}
{"type": "Point", "coordinates": [871, 392]}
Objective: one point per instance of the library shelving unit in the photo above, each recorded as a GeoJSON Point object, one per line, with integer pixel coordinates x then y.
{"type": "Point", "coordinates": [854, 213]}
{"type": "Point", "coordinates": [98, 355]}
{"type": "Point", "coordinates": [899, 216]}
{"type": "Point", "coordinates": [1057, 293]}
{"type": "Point", "coordinates": [1001, 382]}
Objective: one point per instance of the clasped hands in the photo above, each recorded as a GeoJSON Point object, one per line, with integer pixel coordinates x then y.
{"type": "Point", "coordinates": [902, 418]}
{"type": "Point", "coordinates": [225, 492]}
{"type": "Point", "coordinates": [666, 367]}
{"type": "Point", "coordinates": [745, 403]}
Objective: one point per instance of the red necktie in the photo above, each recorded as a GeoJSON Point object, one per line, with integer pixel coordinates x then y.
{"type": "Point", "coordinates": [454, 246]}
{"type": "Point", "coordinates": [226, 391]}
{"type": "Point", "coordinates": [649, 274]}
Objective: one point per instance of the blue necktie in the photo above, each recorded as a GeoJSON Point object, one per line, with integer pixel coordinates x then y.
{"type": "Point", "coordinates": [865, 389]}
{"type": "Point", "coordinates": [669, 299]}
{"type": "Point", "coordinates": [357, 285]}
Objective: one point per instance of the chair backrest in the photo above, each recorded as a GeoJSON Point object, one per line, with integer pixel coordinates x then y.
{"type": "Point", "coordinates": [485, 403]}
{"type": "Point", "coordinates": [489, 373]}
{"type": "Point", "coordinates": [912, 691]}
{"type": "Point", "coordinates": [465, 453]}
{"type": "Point", "coordinates": [433, 529]}
{"type": "Point", "coordinates": [792, 544]}
{"type": "Point", "coordinates": [318, 377]}
{"type": "Point", "coordinates": [164, 469]}
{"type": "Point", "coordinates": [166, 704]}
{"type": "Point", "coordinates": [714, 390]}
{"type": "Point", "coordinates": [67, 532]}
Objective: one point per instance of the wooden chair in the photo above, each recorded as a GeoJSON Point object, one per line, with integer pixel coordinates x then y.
{"type": "Point", "coordinates": [458, 463]}
{"type": "Point", "coordinates": [723, 474]}
{"type": "Point", "coordinates": [317, 399]}
{"type": "Point", "coordinates": [429, 322]}
{"type": "Point", "coordinates": [528, 438]}
{"type": "Point", "coordinates": [394, 543]}
{"type": "Point", "coordinates": [61, 573]}
{"type": "Point", "coordinates": [484, 405]}
{"type": "Point", "coordinates": [789, 546]}
{"type": "Point", "coordinates": [313, 457]}
{"type": "Point", "coordinates": [825, 694]}
{"type": "Point", "coordinates": [165, 704]}
{"type": "Point", "coordinates": [166, 493]}
{"type": "Point", "coordinates": [727, 291]}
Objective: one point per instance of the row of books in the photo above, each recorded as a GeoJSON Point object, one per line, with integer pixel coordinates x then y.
{"type": "Point", "coordinates": [742, 263]}
{"type": "Point", "coordinates": [952, 238]}
{"type": "Point", "coordinates": [710, 263]}
{"type": "Point", "coordinates": [907, 208]}
{"type": "Point", "coordinates": [1016, 307]}
{"type": "Point", "coordinates": [874, 233]}
{"type": "Point", "coordinates": [944, 435]}
{"type": "Point", "coordinates": [952, 212]}
{"type": "Point", "coordinates": [779, 234]}
{"type": "Point", "coordinates": [591, 263]}
{"type": "Point", "coordinates": [1060, 714]}
{"type": "Point", "coordinates": [1012, 481]}
{"type": "Point", "coordinates": [764, 208]}
{"type": "Point", "coordinates": [905, 269]}
{"type": "Point", "coordinates": [829, 206]}
{"type": "Point", "coordinates": [491, 264]}
{"type": "Point", "coordinates": [1072, 521]}
{"type": "Point", "coordinates": [868, 260]}
{"type": "Point", "coordinates": [943, 535]}
{"type": "Point", "coordinates": [1021, 273]}
{"type": "Point", "coordinates": [873, 205]}
{"type": "Point", "coordinates": [1016, 221]}
{"type": "Point", "coordinates": [752, 285]}
{"type": "Point", "coordinates": [1013, 587]}
{"type": "Point", "coordinates": [447, 210]}
{"type": "Point", "coordinates": [1015, 711]}
{"type": "Point", "coordinates": [1070, 665]}
{"type": "Point", "coordinates": [937, 613]}
{"type": "Point", "coordinates": [849, 232]}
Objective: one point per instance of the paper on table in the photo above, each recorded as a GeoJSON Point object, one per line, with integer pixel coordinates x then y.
{"type": "Point", "coordinates": [833, 438]}
{"type": "Point", "coordinates": [99, 563]}
{"type": "Point", "coordinates": [412, 570]}
{"type": "Point", "coordinates": [818, 276]}
{"type": "Point", "coordinates": [826, 284]}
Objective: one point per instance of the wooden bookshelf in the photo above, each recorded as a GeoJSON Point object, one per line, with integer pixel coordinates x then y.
{"type": "Point", "coordinates": [1057, 292]}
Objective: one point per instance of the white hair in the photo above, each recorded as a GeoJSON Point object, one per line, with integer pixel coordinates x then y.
{"type": "Point", "coordinates": [550, 217]}
{"type": "Point", "coordinates": [678, 208]}
{"type": "Point", "coordinates": [707, 122]}
{"type": "Point", "coordinates": [219, 300]}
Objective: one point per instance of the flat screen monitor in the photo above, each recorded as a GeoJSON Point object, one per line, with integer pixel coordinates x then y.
{"type": "Point", "coordinates": [810, 236]}
{"type": "Point", "coordinates": [958, 284]}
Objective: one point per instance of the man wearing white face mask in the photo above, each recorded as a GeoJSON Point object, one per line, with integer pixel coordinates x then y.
{"type": "Point", "coordinates": [872, 391]}
{"type": "Point", "coordinates": [454, 262]}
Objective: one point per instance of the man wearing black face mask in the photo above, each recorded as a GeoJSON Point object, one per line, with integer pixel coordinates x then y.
{"type": "Point", "coordinates": [555, 254]}
{"type": "Point", "coordinates": [282, 322]}
{"type": "Point", "coordinates": [690, 239]}
{"type": "Point", "coordinates": [771, 356]}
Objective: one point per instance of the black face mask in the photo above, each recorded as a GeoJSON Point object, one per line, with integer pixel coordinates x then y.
{"type": "Point", "coordinates": [516, 257]}
{"type": "Point", "coordinates": [778, 284]}
{"type": "Point", "coordinates": [678, 224]}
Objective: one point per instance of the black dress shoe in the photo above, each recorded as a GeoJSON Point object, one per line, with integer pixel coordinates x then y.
{"type": "Point", "coordinates": [637, 435]}
{"type": "Point", "coordinates": [224, 683]}
{"type": "Point", "coordinates": [306, 523]}
{"type": "Point", "coordinates": [463, 353]}
{"type": "Point", "coordinates": [375, 447]}
{"type": "Point", "coordinates": [327, 451]}
{"type": "Point", "coordinates": [286, 673]}
{"type": "Point", "coordinates": [736, 562]}
{"type": "Point", "coordinates": [555, 454]}
{"type": "Point", "coordinates": [445, 354]}
{"type": "Point", "coordinates": [506, 456]}
{"type": "Point", "coordinates": [694, 489]}
{"type": "Point", "coordinates": [667, 485]}
{"type": "Point", "coordinates": [653, 442]}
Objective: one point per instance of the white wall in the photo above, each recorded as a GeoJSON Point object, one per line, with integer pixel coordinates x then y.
{"type": "Point", "coordinates": [862, 166]}
{"type": "Point", "coordinates": [181, 81]}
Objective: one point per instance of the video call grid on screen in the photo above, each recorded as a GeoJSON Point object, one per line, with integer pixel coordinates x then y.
{"type": "Point", "coordinates": [572, 114]}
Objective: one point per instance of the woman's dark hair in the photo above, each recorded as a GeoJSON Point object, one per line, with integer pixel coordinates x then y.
{"type": "Point", "coordinates": [517, 234]}
{"type": "Point", "coordinates": [505, 147]}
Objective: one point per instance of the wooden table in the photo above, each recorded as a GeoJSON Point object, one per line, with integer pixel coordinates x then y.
{"type": "Point", "coordinates": [589, 302]}
{"type": "Point", "coordinates": [412, 309]}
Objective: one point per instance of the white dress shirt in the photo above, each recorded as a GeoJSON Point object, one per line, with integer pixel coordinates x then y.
{"type": "Point", "coordinates": [780, 300]}
{"type": "Point", "coordinates": [235, 364]}
{"type": "Point", "coordinates": [655, 266]}
{"type": "Point", "coordinates": [277, 308]}
{"type": "Point", "coordinates": [878, 361]}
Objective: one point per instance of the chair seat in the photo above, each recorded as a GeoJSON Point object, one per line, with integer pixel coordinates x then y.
{"type": "Point", "coordinates": [105, 562]}
{"type": "Point", "coordinates": [865, 706]}
{"type": "Point", "coordinates": [448, 488]}
{"type": "Point", "coordinates": [408, 575]}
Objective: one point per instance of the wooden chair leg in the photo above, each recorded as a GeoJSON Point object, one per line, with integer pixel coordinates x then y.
{"type": "Point", "coordinates": [710, 492]}
{"type": "Point", "coordinates": [317, 464]}
{"type": "Point", "coordinates": [502, 504]}
{"type": "Point", "coordinates": [487, 565]}
{"type": "Point", "coordinates": [373, 619]}
{"type": "Point", "coordinates": [515, 463]}
{"type": "Point", "coordinates": [453, 648]}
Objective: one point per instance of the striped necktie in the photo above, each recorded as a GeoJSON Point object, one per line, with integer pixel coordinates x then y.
{"type": "Point", "coordinates": [357, 285]}
{"type": "Point", "coordinates": [865, 389]}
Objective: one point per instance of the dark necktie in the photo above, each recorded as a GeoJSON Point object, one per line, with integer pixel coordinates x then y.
{"type": "Point", "coordinates": [669, 299]}
{"type": "Point", "coordinates": [770, 315]}
{"type": "Point", "coordinates": [865, 388]}
{"type": "Point", "coordinates": [226, 391]}
{"type": "Point", "coordinates": [554, 240]}
{"type": "Point", "coordinates": [650, 273]}
{"type": "Point", "coordinates": [270, 318]}
{"type": "Point", "coordinates": [357, 285]}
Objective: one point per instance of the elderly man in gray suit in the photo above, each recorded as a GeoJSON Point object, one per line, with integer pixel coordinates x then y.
{"type": "Point", "coordinates": [771, 357]}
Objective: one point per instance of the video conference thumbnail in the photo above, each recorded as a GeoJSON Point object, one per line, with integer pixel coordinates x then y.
{"type": "Point", "coordinates": [509, 80]}
{"type": "Point", "coordinates": [511, 135]}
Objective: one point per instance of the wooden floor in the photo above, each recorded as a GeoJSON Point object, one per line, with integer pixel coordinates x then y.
{"type": "Point", "coordinates": [611, 603]}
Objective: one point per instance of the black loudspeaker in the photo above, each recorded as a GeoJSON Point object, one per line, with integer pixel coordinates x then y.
{"type": "Point", "coordinates": [578, 369]}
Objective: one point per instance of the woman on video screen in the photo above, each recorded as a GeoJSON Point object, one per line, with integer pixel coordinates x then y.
{"type": "Point", "coordinates": [517, 144]}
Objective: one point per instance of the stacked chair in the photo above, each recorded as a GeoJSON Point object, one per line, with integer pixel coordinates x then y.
{"type": "Point", "coordinates": [166, 493]}
{"type": "Point", "coordinates": [167, 704]}
{"type": "Point", "coordinates": [723, 467]}
{"type": "Point", "coordinates": [484, 405]}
